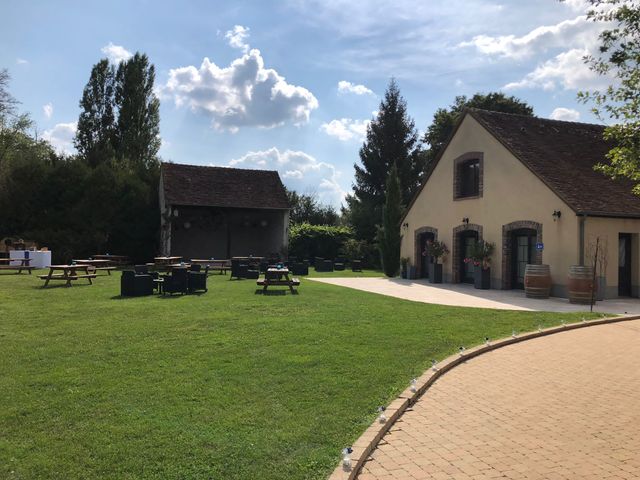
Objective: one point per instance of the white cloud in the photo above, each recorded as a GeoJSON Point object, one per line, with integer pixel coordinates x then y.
{"type": "Point", "coordinates": [237, 36]}
{"type": "Point", "coordinates": [567, 114]}
{"type": "Point", "coordinates": [48, 110]}
{"type": "Point", "coordinates": [22, 61]}
{"type": "Point", "coordinates": [348, 87]}
{"type": "Point", "coordinates": [116, 53]}
{"type": "Point", "coordinates": [346, 129]}
{"type": "Point", "coordinates": [566, 70]}
{"type": "Point", "coordinates": [299, 171]}
{"type": "Point", "coordinates": [578, 31]}
{"type": "Point", "coordinates": [61, 137]}
{"type": "Point", "coordinates": [578, 5]}
{"type": "Point", "coordinates": [243, 94]}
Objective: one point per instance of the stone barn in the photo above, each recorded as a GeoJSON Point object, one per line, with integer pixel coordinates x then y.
{"type": "Point", "coordinates": [222, 212]}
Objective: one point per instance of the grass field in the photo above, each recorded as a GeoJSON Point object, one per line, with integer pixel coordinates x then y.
{"type": "Point", "coordinates": [225, 385]}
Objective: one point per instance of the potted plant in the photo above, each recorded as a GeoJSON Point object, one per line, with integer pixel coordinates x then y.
{"type": "Point", "coordinates": [435, 250]}
{"type": "Point", "coordinates": [480, 256]}
{"type": "Point", "coordinates": [404, 262]}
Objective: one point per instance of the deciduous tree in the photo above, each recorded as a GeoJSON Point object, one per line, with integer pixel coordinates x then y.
{"type": "Point", "coordinates": [95, 137]}
{"type": "Point", "coordinates": [618, 60]}
{"type": "Point", "coordinates": [138, 125]}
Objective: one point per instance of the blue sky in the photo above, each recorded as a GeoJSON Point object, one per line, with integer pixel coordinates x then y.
{"type": "Point", "coordinates": [291, 85]}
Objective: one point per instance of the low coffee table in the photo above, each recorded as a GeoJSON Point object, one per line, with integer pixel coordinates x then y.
{"type": "Point", "coordinates": [158, 282]}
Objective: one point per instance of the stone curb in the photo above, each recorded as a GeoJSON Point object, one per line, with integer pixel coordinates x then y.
{"type": "Point", "coordinates": [369, 440]}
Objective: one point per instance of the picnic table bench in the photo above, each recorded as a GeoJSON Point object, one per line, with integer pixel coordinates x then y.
{"type": "Point", "coordinates": [69, 273]}
{"type": "Point", "coordinates": [5, 264]}
{"type": "Point", "coordinates": [278, 277]}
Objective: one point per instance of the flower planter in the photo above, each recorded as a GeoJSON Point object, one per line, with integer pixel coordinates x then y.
{"type": "Point", "coordinates": [411, 274]}
{"type": "Point", "coordinates": [602, 287]}
{"type": "Point", "coordinates": [435, 273]}
{"type": "Point", "coordinates": [482, 279]}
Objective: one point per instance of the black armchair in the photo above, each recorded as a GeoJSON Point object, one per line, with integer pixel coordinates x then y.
{"type": "Point", "coordinates": [197, 281]}
{"type": "Point", "coordinates": [177, 282]}
{"type": "Point", "coordinates": [300, 268]}
{"type": "Point", "coordinates": [238, 270]}
{"type": "Point", "coordinates": [144, 270]}
{"type": "Point", "coordinates": [133, 285]}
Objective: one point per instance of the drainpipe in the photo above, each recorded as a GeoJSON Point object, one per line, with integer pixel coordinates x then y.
{"type": "Point", "coordinates": [582, 221]}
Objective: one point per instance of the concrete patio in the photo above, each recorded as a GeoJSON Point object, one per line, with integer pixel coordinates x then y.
{"type": "Point", "coordinates": [462, 295]}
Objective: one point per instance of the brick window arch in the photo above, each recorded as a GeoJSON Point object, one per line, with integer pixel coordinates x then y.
{"type": "Point", "coordinates": [416, 242]}
{"type": "Point", "coordinates": [455, 248]}
{"type": "Point", "coordinates": [507, 248]}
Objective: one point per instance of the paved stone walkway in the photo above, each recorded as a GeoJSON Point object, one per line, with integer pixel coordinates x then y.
{"type": "Point", "coordinates": [565, 406]}
{"type": "Point", "coordinates": [466, 296]}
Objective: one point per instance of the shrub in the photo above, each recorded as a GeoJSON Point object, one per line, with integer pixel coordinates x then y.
{"type": "Point", "coordinates": [309, 241]}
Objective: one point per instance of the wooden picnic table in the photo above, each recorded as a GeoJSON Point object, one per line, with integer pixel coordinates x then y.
{"type": "Point", "coordinates": [220, 265]}
{"type": "Point", "coordinates": [115, 259]}
{"type": "Point", "coordinates": [278, 277]}
{"type": "Point", "coordinates": [69, 273]}
{"type": "Point", "coordinates": [5, 264]}
{"type": "Point", "coordinates": [97, 264]}
{"type": "Point", "coordinates": [166, 260]}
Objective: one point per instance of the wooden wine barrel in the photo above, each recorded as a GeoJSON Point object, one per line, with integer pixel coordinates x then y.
{"type": "Point", "coordinates": [580, 283]}
{"type": "Point", "coordinates": [537, 281]}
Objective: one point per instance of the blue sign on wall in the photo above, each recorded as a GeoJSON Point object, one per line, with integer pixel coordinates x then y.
{"type": "Point", "coordinates": [539, 246]}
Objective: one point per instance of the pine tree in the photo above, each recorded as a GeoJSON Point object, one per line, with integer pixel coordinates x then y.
{"type": "Point", "coordinates": [389, 233]}
{"type": "Point", "coordinates": [96, 125]}
{"type": "Point", "coordinates": [391, 140]}
{"type": "Point", "coordinates": [138, 126]}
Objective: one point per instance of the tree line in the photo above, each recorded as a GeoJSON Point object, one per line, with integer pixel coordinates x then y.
{"type": "Point", "coordinates": [104, 198]}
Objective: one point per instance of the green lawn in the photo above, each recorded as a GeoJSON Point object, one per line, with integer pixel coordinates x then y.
{"type": "Point", "coordinates": [225, 385]}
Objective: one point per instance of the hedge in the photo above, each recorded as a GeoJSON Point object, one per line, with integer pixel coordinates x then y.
{"type": "Point", "coordinates": [310, 241]}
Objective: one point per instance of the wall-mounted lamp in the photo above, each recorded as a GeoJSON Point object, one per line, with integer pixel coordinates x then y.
{"type": "Point", "coordinates": [465, 220]}
{"type": "Point", "coordinates": [405, 226]}
{"type": "Point", "coordinates": [175, 212]}
{"type": "Point", "coordinates": [556, 215]}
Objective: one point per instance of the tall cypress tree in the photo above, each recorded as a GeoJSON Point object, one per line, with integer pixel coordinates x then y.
{"type": "Point", "coordinates": [95, 136]}
{"type": "Point", "coordinates": [391, 140]}
{"type": "Point", "coordinates": [389, 233]}
{"type": "Point", "coordinates": [138, 127]}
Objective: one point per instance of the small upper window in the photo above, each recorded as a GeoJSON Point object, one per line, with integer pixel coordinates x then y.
{"type": "Point", "coordinates": [469, 178]}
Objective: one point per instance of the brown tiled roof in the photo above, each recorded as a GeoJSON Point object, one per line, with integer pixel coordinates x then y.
{"type": "Point", "coordinates": [222, 187]}
{"type": "Point", "coordinates": [562, 155]}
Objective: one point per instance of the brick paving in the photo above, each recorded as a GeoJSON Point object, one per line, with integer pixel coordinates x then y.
{"type": "Point", "coordinates": [565, 406]}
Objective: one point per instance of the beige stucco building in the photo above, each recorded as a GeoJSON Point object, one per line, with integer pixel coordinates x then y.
{"type": "Point", "coordinates": [527, 185]}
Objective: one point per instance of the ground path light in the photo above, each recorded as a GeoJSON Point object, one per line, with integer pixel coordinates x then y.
{"type": "Point", "coordinates": [382, 418]}
{"type": "Point", "coordinates": [414, 385]}
{"type": "Point", "coordinates": [486, 341]}
{"type": "Point", "coordinates": [539, 328]}
{"type": "Point", "coordinates": [514, 334]}
{"type": "Point", "coordinates": [461, 349]}
{"type": "Point", "coordinates": [346, 457]}
{"type": "Point", "coordinates": [433, 365]}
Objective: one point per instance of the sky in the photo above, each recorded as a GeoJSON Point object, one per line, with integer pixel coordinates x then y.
{"type": "Point", "coordinates": [291, 85]}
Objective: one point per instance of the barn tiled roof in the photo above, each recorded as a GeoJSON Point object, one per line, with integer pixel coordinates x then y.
{"type": "Point", "coordinates": [563, 154]}
{"type": "Point", "coordinates": [222, 187]}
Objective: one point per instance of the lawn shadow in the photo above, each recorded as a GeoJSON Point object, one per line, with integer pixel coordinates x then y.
{"type": "Point", "coordinates": [260, 291]}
